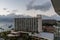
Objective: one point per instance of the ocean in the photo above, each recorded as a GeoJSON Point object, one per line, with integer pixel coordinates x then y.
{"type": "Point", "coordinates": [4, 26]}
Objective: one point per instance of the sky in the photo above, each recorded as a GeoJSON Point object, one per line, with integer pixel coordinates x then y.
{"type": "Point", "coordinates": [43, 7]}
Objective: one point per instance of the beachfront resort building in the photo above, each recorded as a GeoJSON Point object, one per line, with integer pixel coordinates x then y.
{"type": "Point", "coordinates": [31, 24]}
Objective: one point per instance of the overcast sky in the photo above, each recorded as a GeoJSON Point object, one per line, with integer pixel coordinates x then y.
{"type": "Point", "coordinates": [20, 7]}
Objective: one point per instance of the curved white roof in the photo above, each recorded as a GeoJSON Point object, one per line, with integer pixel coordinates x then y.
{"type": "Point", "coordinates": [49, 36]}
{"type": "Point", "coordinates": [46, 35]}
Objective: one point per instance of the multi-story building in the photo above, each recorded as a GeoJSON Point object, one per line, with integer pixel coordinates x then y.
{"type": "Point", "coordinates": [58, 29]}
{"type": "Point", "coordinates": [31, 24]}
{"type": "Point", "coordinates": [48, 25]}
{"type": "Point", "coordinates": [49, 29]}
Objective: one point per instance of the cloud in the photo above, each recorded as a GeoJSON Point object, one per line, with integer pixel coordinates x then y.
{"type": "Point", "coordinates": [44, 7]}
{"type": "Point", "coordinates": [4, 8]}
{"type": "Point", "coordinates": [15, 10]}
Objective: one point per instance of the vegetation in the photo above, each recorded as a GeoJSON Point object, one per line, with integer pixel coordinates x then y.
{"type": "Point", "coordinates": [4, 35]}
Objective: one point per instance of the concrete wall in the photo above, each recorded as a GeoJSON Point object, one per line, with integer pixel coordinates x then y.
{"type": "Point", "coordinates": [39, 23]}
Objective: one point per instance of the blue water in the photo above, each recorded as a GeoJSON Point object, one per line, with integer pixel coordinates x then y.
{"type": "Point", "coordinates": [5, 26]}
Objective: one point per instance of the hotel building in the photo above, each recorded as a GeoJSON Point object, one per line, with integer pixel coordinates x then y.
{"type": "Point", "coordinates": [31, 24]}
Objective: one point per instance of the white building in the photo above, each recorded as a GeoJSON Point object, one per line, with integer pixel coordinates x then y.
{"type": "Point", "coordinates": [31, 24]}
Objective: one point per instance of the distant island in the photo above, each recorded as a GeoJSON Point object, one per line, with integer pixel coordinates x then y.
{"type": "Point", "coordinates": [10, 17]}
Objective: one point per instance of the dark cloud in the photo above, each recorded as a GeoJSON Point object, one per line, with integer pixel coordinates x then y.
{"type": "Point", "coordinates": [4, 8]}
{"type": "Point", "coordinates": [29, 6]}
{"type": "Point", "coordinates": [44, 7]}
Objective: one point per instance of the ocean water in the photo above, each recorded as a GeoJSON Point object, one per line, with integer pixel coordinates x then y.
{"type": "Point", "coordinates": [4, 26]}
